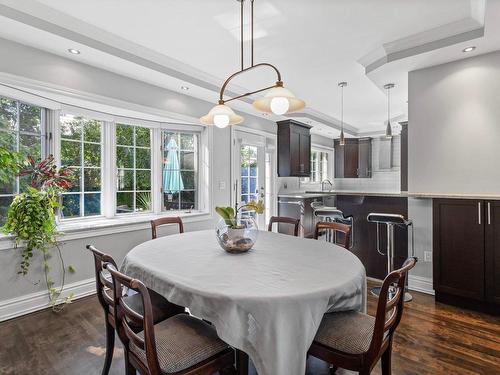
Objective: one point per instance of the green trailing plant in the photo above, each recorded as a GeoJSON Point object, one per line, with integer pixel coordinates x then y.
{"type": "Point", "coordinates": [31, 219]}
{"type": "Point", "coordinates": [230, 214]}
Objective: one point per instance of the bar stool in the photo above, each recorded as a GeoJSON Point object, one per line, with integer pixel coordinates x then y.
{"type": "Point", "coordinates": [326, 213]}
{"type": "Point", "coordinates": [391, 221]}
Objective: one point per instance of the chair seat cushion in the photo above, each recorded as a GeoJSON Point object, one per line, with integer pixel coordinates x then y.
{"type": "Point", "coordinates": [183, 341]}
{"type": "Point", "coordinates": [349, 332]}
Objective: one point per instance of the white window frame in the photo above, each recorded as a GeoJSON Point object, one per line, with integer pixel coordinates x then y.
{"type": "Point", "coordinates": [317, 148]}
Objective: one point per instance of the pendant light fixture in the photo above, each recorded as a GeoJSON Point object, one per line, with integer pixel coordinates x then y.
{"type": "Point", "coordinates": [278, 99]}
{"type": "Point", "coordinates": [388, 130]}
{"type": "Point", "coordinates": [342, 137]}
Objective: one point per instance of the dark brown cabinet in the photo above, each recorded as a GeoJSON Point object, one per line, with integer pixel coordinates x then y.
{"type": "Point", "coordinates": [492, 253]}
{"type": "Point", "coordinates": [354, 159]}
{"type": "Point", "coordinates": [294, 149]}
{"type": "Point", "coordinates": [466, 239]}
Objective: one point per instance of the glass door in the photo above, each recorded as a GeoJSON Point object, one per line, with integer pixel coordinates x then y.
{"type": "Point", "coordinates": [250, 176]}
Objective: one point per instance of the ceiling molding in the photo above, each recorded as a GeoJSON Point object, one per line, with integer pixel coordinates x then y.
{"type": "Point", "coordinates": [429, 40]}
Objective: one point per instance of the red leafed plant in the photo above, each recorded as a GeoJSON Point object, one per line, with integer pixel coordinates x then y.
{"type": "Point", "coordinates": [46, 174]}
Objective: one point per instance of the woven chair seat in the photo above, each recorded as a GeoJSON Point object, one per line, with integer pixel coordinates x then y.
{"type": "Point", "coordinates": [348, 332]}
{"type": "Point", "coordinates": [181, 342]}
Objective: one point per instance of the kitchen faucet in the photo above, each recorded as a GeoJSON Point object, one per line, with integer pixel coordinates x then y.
{"type": "Point", "coordinates": [323, 185]}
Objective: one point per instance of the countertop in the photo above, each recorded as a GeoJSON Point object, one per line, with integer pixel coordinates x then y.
{"type": "Point", "coordinates": [404, 194]}
{"type": "Point", "coordinates": [319, 194]}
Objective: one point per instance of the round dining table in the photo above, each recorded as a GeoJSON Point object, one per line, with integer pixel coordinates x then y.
{"type": "Point", "coordinates": [268, 302]}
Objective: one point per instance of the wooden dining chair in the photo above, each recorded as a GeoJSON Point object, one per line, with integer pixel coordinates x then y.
{"type": "Point", "coordinates": [178, 345]}
{"type": "Point", "coordinates": [162, 309]}
{"type": "Point", "coordinates": [164, 221]}
{"type": "Point", "coordinates": [335, 228]}
{"type": "Point", "coordinates": [356, 341]}
{"type": "Point", "coordinates": [285, 220]}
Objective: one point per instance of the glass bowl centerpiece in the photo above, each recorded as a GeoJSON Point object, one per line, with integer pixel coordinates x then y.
{"type": "Point", "coordinates": [237, 231]}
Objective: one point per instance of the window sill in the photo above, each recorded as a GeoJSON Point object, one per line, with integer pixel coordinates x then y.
{"type": "Point", "coordinates": [84, 228]}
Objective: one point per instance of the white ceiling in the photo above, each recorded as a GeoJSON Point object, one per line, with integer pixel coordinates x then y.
{"type": "Point", "coordinates": [314, 43]}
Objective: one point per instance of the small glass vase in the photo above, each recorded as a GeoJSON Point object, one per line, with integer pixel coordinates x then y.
{"type": "Point", "coordinates": [237, 239]}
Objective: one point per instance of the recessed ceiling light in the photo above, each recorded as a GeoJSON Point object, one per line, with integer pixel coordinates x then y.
{"type": "Point", "coordinates": [185, 88]}
{"type": "Point", "coordinates": [73, 51]}
{"type": "Point", "coordinates": [469, 49]}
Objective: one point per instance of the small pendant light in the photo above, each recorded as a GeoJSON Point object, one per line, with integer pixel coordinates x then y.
{"type": "Point", "coordinates": [388, 130]}
{"type": "Point", "coordinates": [342, 137]}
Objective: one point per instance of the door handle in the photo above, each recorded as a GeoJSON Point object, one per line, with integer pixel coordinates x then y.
{"type": "Point", "coordinates": [489, 213]}
{"type": "Point", "coordinates": [479, 213]}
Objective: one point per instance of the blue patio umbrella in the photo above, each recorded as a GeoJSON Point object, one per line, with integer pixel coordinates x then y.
{"type": "Point", "coordinates": [172, 179]}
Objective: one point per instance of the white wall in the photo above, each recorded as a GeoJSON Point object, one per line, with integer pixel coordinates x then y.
{"type": "Point", "coordinates": [454, 127]}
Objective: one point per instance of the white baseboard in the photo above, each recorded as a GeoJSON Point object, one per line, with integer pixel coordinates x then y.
{"type": "Point", "coordinates": [28, 303]}
{"type": "Point", "coordinates": [420, 284]}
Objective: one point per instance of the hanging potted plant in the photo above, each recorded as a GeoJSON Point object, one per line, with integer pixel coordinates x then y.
{"type": "Point", "coordinates": [31, 218]}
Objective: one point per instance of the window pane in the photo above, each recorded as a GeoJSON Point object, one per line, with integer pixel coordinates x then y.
{"type": "Point", "coordinates": [92, 178]}
{"type": "Point", "coordinates": [143, 137]}
{"type": "Point", "coordinates": [8, 187]}
{"type": "Point", "coordinates": [71, 205]}
{"type": "Point", "coordinates": [171, 201]}
{"type": "Point", "coordinates": [124, 135]}
{"type": "Point", "coordinates": [71, 127]}
{"type": "Point", "coordinates": [143, 158]}
{"type": "Point", "coordinates": [143, 201]}
{"type": "Point", "coordinates": [77, 179]}
{"type": "Point", "coordinates": [30, 145]}
{"type": "Point", "coordinates": [24, 183]}
{"type": "Point", "coordinates": [92, 131]}
{"type": "Point", "coordinates": [124, 157]}
{"type": "Point", "coordinates": [187, 200]}
{"type": "Point", "coordinates": [124, 202]}
{"type": "Point", "coordinates": [187, 142]}
{"type": "Point", "coordinates": [8, 140]}
{"type": "Point", "coordinates": [8, 114]}
{"type": "Point", "coordinates": [143, 180]}
{"type": "Point", "coordinates": [70, 153]}
{"type": "Point", "coordinates": [30, 118]}
{"type": "Point", "coordinates": [125, 179]}
{"type": "Point", "coordinates": [253, 185]}
{"type": "Point", "coordinates": [188, 179]}
{"type": "Point", "coordinates": [92, 204]}
{"type": "Point", "coordinates": [244, 186]}
{"type": "Point", "coordinates": [4, 208]}
{"type": "Point", "coordinates": [92, 155]}
{"type": "Point", "coordinates": [187, 160]}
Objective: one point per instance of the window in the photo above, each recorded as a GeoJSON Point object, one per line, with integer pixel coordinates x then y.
{"type": "Point", "coordinates": [81, 147]}
{"type": "Point", "coordinates": [133, 162]}
{"type": "Point", "coordinates": [320, 166]}
{"type": "Point", "coordinates": [22, 129]}
{"type": "Point", "coordinates": [180, 170]}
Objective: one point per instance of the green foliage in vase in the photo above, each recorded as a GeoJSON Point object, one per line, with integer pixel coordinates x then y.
{"type": "Point", "coordinates": [31, 219]}
{"type": "Point", "coordinates": [230, 215]}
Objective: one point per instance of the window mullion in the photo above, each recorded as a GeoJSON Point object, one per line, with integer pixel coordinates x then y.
{"type": "Point", "coordinates": [156, 170]}
{"type": "Point", "coordinates": [109, 171]}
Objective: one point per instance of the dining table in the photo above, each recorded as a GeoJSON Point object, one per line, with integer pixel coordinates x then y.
{"type": "Point", "coordinates": [267, 302]}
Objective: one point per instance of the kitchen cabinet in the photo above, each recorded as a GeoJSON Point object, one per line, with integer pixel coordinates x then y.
{"type": "Point", "coordinates": [466, 255]}
{"type": "Point", "coordinates": [354, 159]}
{"type": "Point", "coordinates": [492, 251]}
{"type": "Point", "coordinates": [294, 149]}
{"type": "Point", "coordinates": [364, 157]}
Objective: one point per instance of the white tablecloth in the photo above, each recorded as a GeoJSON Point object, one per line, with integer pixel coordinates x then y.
{"type": "Point", "coordinates": [268, 302]}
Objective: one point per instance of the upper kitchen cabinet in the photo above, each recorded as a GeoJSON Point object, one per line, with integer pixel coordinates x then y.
{"type": "Point", "coordinates": [354, 159]}
{"type": "Point", "coordinates": [294, 149]}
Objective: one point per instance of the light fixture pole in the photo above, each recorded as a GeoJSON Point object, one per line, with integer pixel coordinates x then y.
{"type": "Point", "coordinates": [388, 129]}
{"type": "Point", "coordinates": [342, 137]}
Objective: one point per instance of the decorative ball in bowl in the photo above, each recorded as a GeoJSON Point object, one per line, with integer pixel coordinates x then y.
{"type": "Point", "coordinates": [237, 238]}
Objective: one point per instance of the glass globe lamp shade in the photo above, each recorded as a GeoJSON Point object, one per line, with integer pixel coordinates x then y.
{"type": "Point", "coordinates": [279, 101]}
{"type": "Point", "coordinates": [221, 116]}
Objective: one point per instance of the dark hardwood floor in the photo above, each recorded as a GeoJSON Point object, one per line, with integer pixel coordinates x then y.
{"type": "Point", "coordinates": [432, 339]}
